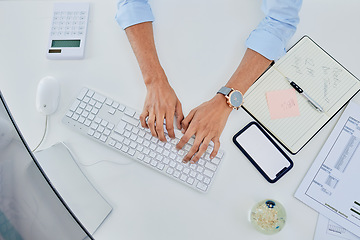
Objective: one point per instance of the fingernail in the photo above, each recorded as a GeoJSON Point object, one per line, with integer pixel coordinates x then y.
{"type": "Point", "coordinates": [183, 130]}
{"type": "Point", "coordinates": [192, 162]}
{"type": "Point", "coordinates": [183, 161]}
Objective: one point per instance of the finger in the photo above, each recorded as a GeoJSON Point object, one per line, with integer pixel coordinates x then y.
{"type": "Point", "coordinates": [185, 123]}
{"type": "Point", "coordinates": [169, 118]}
{"type": "Point", "coordinates": [159, 126]}
{"type": "Point", "coordinates": [204, 145]}
{"type": "Point", "coordinates": [193, 149]}
{"type": "Point", "coordinates": [143, 117]}
{"type": "Point", "coordinates": [216, 148]}
{"type": "Point", "coordinates": [151, 124]}
{"type": "Point", "coordinates": [184, 139]}
{"type": "Point", "coordinates": [179, 115]}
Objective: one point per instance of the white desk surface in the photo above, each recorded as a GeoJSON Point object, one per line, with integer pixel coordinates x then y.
{"type": "Point", "coordinates": [198, 47]}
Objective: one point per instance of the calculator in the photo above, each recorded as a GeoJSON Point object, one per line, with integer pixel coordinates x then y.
{"type": "Point", "coordinates": [68, 30]}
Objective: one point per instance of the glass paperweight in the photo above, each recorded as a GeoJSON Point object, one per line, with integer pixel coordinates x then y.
{"type": "Point", "coordinates": [268, 216]}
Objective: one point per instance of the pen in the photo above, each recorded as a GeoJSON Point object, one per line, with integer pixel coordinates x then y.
{"type": "Point", "coordinates": [310, 100]}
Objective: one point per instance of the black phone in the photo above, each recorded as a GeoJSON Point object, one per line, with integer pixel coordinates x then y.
{"type": "Point", "coordinates": [263, 152]}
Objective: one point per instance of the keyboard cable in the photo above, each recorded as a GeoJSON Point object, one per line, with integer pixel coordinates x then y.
{"type": "Point", "coordinates": [43, 137]}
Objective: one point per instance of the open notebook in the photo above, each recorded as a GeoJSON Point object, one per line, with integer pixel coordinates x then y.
{"type": "Point", "coordinates": [319, 75]}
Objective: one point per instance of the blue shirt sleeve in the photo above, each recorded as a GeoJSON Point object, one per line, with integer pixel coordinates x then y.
{"type": "Point", "coordinates": [131, 12]}
{"type": "Point", "coordinates": [275, 30]}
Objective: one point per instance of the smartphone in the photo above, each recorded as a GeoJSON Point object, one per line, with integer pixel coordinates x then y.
{"type": "Point", "coordinates": [263, 152]}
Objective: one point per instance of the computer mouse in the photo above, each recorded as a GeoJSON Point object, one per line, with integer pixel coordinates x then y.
{"type": "Point", "coordinates": [48, 95]}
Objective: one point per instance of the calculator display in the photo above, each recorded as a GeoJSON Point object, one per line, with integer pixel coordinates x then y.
{"type": "Point", "coordinates": [65, 43]}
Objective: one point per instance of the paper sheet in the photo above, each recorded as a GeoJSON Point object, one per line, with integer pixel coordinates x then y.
{"type": "Point", "coordinates": [330, 186]}
{"type": "Point", "coordinates": [329, 230]}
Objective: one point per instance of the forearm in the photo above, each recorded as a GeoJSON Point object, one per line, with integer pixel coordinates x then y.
{"type": "Point", "coordinates": [141, 38]}
{"type": "Point", "coordinates": [251, 67]}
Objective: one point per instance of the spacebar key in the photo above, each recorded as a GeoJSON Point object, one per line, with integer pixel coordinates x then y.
{"type": "Point", "coordinates": [130, 120]}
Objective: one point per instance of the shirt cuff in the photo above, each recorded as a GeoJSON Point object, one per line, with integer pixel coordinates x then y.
{"type": "Point", "coordinates": [129, 14]}
{"type": "Point", "coordinates": [266, 43]}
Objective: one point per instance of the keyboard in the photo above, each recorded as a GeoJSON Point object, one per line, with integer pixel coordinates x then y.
{"type": "Point", "coordinates": [117, 126]}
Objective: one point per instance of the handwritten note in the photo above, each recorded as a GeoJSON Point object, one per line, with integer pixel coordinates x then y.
{"type": "Point", "coordinates": [282, 103]}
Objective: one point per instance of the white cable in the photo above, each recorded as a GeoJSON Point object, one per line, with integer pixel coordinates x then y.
{"type": "Point", "coordinates": [90, 165]}
{"type": "Point", "coordinates": [71, 153]}
{"type": "Point", "coordinates": [43, 137]}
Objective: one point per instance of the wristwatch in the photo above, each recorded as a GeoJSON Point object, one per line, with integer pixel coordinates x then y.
{"type": "Point", "coordinates": [234, 98]}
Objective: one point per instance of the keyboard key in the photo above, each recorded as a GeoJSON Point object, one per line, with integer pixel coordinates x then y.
{"type": "Point", "coordinates": [130, 112]}
{"type": "Point", "coordinates": [90, 132]}
{"type": "Point", "coordinates": [126, 142]}
{"type": "Point", "coordinates": [112, 111]}
{"type": "Point", "coordinates": [121, 107]}
{"type": "Point", "coordinates": [131, 152]}
{"type": "Point", "coordinates": [201, 186]}
{"type": "Point", "coordinates": [210, 166]}
{"type": "Point", "coordinates": [127, 134]}
{"type": "Point", "coordinates": [112, 143]}
{"type": "Point", "coordinates": [200, 177]}
{"type": "Point", "coordinates": [98, 97]}
{"type": "Point", "coordinates": [118, 137]}
{"type": "Point", "coordinates": [108, 101]}
{"type": "Point", "coordinates": [115, 105]}
{"type": "Point", "coordinates": [101, 129]}
{"type": "Point", "coordinates": [170, 171]}
{"type": "Point", "coordinates": [207, 181]}
{"type": "Point", "coordinates": [208, 173]}
{"type": "Point", "coordinates": [176, 174]}
{"type": "Point", "coordinates": [140, 156]}
{"type": "Point", "coordinates": [153, 162]}
{"type": "Point", "coordinates": [160, 166]}
{"type": "Point", "coordinates": [97, 135]}
{"type": "Point", "coordinates": [190, 180]}
{"type": "Point", "coordinates": [118, 146]}
{"type": "Point", "coordinates": [69, 114]}
{"type": "Point", "coordinates": [125, 148]}
{"type": "Point", "coordinates": [82, 94]}
{"type": "Point", "coordinates": [74, 106]}
{"type": "Point", "coordinates": [147, 159]}
{"type": "Point", "coordinates": [130, 120]}
{"type": "Point", "coordinates": [183, 177]}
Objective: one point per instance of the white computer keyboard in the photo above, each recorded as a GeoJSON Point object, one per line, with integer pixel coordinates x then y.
{"type": "Point", "coordinates": [118, 126]}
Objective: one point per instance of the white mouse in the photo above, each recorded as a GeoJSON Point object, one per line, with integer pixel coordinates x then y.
{"type": "Point", "coordinates": [48, 95]}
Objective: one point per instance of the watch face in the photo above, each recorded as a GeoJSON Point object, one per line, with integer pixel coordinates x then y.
{"type": "Point", "coordinates": [236, 98]}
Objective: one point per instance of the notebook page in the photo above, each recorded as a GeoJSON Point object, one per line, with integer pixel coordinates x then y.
{"type": "Point", "coordinates": [319, 76]}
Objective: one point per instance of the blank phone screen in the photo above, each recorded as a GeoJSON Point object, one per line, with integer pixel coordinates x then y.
{"type": "Point", "coordinates": [262, 151]}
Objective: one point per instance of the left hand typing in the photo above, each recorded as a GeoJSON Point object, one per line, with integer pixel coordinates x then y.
{"type": "Point", "coordinates": [206, 122]}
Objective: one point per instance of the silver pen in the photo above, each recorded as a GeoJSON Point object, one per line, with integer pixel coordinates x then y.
{"type": "Point", "coordinates": [310, 100]}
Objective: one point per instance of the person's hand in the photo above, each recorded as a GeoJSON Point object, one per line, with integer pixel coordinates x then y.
{"type": "Point", "coordinates": [161, 103]}
{"type": "Point", "coordinates": [206, 122]}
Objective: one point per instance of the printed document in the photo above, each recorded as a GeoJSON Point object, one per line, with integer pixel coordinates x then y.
{"type": "Point", "coordinates": [329, 230]}
{"type": "Point", "coordinates": [330, 186]}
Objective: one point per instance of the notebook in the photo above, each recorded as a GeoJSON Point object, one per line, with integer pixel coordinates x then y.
{"type": "Point", "coordinates": [323, 78]}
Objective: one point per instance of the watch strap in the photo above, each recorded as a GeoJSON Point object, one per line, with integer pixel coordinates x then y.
{"type": "Point", "coordinates": [225, 91]}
